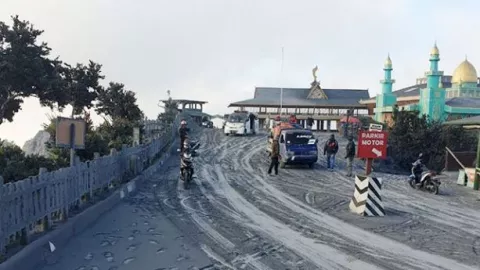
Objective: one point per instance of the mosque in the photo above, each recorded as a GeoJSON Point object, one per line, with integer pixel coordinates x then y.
{"type": "Point", "coordinates": [438, 96]}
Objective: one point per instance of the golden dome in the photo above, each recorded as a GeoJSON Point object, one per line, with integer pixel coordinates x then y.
{"type": "Point", "coordinates": [388, 62]}
{"type": "Point", "coordinates": [435, 50]}
{"type": "Point", "coordinates": [465, 73]}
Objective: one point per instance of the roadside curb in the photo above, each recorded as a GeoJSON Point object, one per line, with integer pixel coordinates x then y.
{"type": "Point", "coordinates": [37, 253]}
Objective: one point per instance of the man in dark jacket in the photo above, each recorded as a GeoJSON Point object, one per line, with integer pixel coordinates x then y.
{"type": "Point", "coordinates": [309, 123]}
{"type": "Point", "coordinates": [183, 131]}
{"type": "Point", "coordinates": [330, 149]}
{"type": "Point", "coordinates": [252, 122]}
{"type": "Point", "coordinates": [350, 155]}
{"type": "Point", "coordinates": [274, 157]}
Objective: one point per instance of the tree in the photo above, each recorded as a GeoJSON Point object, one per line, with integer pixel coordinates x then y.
{"type": "Point", "coordinates": [170, 112]}
{"type": "Point", "coordinates": [412, 134]}
{"type": "Point", "coordinates": [81, 84]}
{"type": "Point", "coordinates": [25, 69]}
{"type": "Point", "coordinates": [14, 165]}
{"type": "Point", "coordinates": [122, 115]}
{"type": "Point", "coordinates": [117, 102]}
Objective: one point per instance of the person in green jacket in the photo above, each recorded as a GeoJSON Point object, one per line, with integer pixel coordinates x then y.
{"type": "Point", "coordinates": [274, 157]}
{"type": "Point", "coordinates": [350, 155]}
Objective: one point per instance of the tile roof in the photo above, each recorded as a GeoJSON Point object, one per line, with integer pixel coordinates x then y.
{"type": "Point", "coordinates": [475, 120]}
{"type": "Point", "coordinates": [269, 96]}
{"type": "Point", "coordinates": [463, 102]}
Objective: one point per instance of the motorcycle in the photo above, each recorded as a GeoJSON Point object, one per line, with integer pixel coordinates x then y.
{"type": "Point", "coordinates": [428, 182]}
{"type": "Point", "coordinates": [187, 164]}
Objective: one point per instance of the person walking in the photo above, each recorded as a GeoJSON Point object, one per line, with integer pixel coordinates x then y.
{"type": "Point", "coordinates": [274, 156]}
{"type": "Point", "coordinates": [350, 155]}
{"type": "Point", "coordinates": [330, 149]}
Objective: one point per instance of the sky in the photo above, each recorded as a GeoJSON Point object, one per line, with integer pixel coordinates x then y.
{"type": "Point", "coordinates": [220, 50]}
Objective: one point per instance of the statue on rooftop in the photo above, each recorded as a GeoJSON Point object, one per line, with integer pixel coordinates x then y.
{"type": "Point", "coordinates": [314, 73]}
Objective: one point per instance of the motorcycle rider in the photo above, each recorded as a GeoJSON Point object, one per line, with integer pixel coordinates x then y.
{"type": "Point", "coordinates": [417, 168]}
{"type": "Point", "coordinates": [185, 158]}
{"type": "Point", "coordinates": [183, 130]}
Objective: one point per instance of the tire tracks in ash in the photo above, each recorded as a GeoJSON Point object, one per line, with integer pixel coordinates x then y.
{"type": "Point", "coordinates": [249, 220]}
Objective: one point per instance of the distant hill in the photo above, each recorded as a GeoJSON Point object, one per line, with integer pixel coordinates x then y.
{"type": "Point", "coordinates": [36, 145]}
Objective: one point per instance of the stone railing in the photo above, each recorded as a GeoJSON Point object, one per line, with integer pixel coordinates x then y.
{"type": "Point", "coordinates": [34, 205]}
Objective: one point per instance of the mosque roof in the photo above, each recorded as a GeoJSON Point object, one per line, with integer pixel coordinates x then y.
{"type": "Point", "coordinates": [463, 102]}
{"type": "Point", "coordinates": [465, 72]}
{"type": "Point", "coordinates": [270, 96]}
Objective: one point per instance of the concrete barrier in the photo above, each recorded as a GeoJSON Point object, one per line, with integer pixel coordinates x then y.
{"type": "Point", "coordinates": [367, 199]}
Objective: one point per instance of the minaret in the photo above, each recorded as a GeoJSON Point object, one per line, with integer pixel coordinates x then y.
{"type": "Point", "coordinates": [387, 82]}
{"type": "Point", "coordinates": [432, 98]}
{"type": "Point", "coordinates": [433, 75]}
{"type": "Point", "coordinates": [386, 100]}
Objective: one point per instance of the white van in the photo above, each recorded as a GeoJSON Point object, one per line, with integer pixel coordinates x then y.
{"type": "Point", "coordinates": [241, 123]}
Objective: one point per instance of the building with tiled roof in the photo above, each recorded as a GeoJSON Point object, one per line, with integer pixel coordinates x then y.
{"type": "Point", "coordinates": [324, 105]}
{"type": "Point", "coordinates": [438, 96]}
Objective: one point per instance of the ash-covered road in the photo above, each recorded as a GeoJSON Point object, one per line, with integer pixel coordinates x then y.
{"type": "Point", "coordinates": [243, 218]}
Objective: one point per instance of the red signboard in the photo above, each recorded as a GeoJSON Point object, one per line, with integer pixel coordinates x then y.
{"type": "Point", "coordinates": [372, 144]}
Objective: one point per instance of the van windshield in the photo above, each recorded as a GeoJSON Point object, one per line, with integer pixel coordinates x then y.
{"type": "Point", "coordinates": [299, 138]}
{"type": "Point", "coordinates": [237, 118]}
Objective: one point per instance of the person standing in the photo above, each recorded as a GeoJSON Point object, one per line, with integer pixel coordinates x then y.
{"type": "Point", "coordinates": [293, 119]}
{"type": "Point", "coordinates": [309, 123]}
{"type": "Point", "coordinates": [274, 156]}
{"type": "Point", "coordinates": [252, 122]}
{"type": "Point", "coordinates": [350, 155]}
{"type": "Point", "coordinates": [330, 149]}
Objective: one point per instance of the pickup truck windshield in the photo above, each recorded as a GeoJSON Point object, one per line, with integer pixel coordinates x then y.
{"type": "Point", "coordinates": [237, 118]}
{"type": "Point", "coordinates": [299, 138]}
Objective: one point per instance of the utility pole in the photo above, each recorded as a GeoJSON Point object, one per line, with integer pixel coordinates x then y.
{"type": "Point", "coordinates": [281, 87]}
{"type": "Point", "coordinates": [476, 180]}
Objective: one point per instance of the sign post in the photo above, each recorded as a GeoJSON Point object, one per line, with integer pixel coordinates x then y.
{"type": "Point", "coordinates": [372, 145]}
{"type": "Point", "coordinates": [70, 134]}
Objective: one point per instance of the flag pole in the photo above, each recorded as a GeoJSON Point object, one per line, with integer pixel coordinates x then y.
{"type": "Point", "coordinates": [281, 87]}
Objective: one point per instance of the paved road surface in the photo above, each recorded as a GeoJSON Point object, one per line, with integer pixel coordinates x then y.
{"type": "Point", "coordinates": [134, 235]}
{"type": "Point", "coordinates": [243, 218]}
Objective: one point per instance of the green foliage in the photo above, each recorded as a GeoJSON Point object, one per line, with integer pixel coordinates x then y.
{"type": "Point", "coordinates": [412, 134]}
{"type": "Point", "coordinates": [117, 132]}
{"type": "Point", "coordinates": [81, 86]}
{"type": "Point", "coordinates": [25, 69]}
{"type": "Point", "coordinates": [170, 111]}
{"type": "Point", "coordinates": [14, 165]}
{"type": "Point", "coordinates": [117, 102]}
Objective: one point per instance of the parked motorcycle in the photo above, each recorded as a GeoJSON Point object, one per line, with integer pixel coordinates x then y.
{"type": "Point", "coordinates": [428, 182]}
